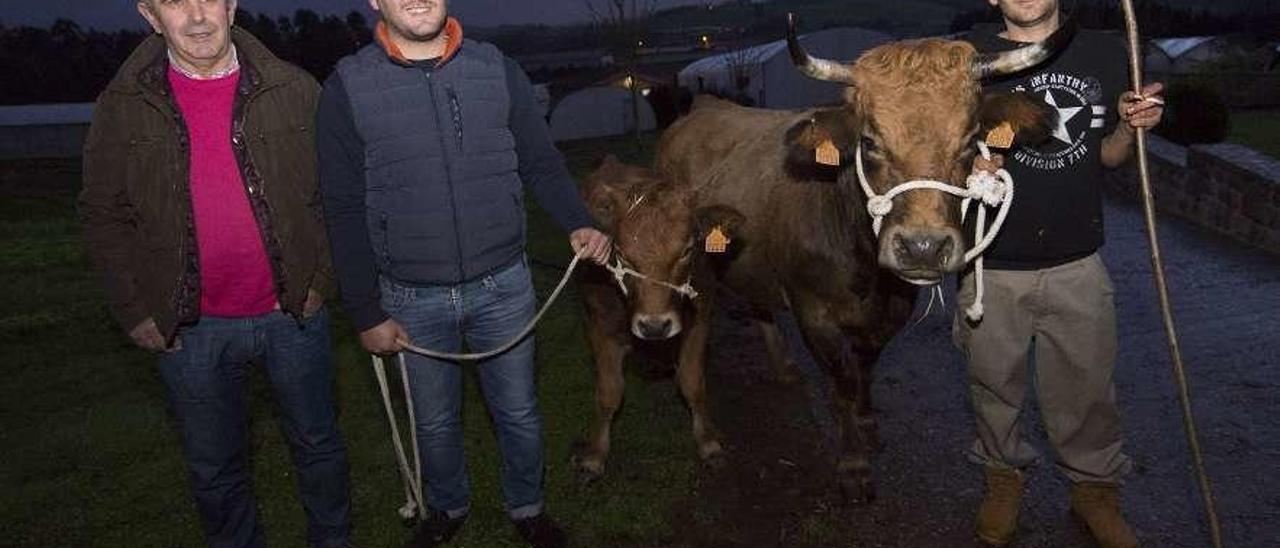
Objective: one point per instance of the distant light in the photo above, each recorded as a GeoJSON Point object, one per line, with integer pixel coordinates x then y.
{"type": "Point", "coordinates": [645, 92]}
{"type": "Point", "coordinates": [629, 82]}
{"type": "Point", "coordinates": [640, 43]}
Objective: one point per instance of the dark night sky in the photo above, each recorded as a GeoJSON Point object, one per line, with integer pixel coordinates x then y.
{"type": "Point", "coordinates": [112, 14]}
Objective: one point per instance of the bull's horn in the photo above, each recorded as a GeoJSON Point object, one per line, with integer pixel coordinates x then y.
{"type": "Point", "coordinates": [988, 65]}
{"type": "Point", "coordinates": [813, 67]}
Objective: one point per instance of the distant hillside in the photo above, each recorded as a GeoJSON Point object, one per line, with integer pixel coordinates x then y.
{"type": "Point", "coordinates": [907, 18]}
{"type": "Point", "coordinates": [898, 17]}
{"type": "Point", "coordinates": [744, 22]}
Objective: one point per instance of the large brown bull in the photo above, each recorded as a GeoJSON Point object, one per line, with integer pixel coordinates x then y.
{"type": "Point", "coordinates": [658, 292]}
{"type": "Point", "coordinates": [915, 109]}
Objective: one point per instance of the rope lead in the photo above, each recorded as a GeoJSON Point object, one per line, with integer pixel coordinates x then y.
{"type": "Point", "coordinates": [415, 504]}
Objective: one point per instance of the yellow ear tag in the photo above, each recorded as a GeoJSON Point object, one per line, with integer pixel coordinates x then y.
{"type": "Point", "coordinates": [1001, 136]}
{"type": "Point", "coordinates": [717, 242]}
{"type": "Point", "coordinates": [827, 154]}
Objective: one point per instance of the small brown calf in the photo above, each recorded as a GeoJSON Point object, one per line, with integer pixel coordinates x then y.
{"type": "Point", "coordinates": [664, 296]}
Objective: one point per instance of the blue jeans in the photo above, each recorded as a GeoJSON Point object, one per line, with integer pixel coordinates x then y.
{"type": "Point", "coordinates": [207, 383]}
{"type": "Point", "coordinates": [481, 314]}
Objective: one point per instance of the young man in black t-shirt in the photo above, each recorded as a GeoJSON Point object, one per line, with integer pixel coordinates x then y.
{"type": "Point", "coordinates": [1046, 287]}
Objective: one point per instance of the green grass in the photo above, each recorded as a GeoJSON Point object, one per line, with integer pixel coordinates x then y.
{"type": "Point", "coordinates": [91, 457]}
{"type": "Point", "coordinates": [1259, 129]}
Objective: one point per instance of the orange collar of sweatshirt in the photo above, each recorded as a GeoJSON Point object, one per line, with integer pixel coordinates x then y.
{"type": "Point", "coordinates": [452, 33]}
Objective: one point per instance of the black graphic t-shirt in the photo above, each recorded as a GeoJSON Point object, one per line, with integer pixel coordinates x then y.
{"type": "Point", "coordinates": [1057, 208]}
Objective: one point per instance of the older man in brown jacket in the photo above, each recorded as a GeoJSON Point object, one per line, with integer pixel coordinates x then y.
{"type": "Point", "coordinates": [200, 210]}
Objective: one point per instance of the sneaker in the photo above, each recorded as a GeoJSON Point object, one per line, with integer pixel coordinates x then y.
{"type": "Point", "coordinates": [1098, 506]}
{"type": "Point", "coordinates": [436, 530]}
{"type": "Point", "coordinates": [998, 514]}
{"type": "Point", "coordinates": [541, 531]}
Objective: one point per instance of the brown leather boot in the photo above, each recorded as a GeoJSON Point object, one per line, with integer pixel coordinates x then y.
{"type": "Point", "coordinates": [1098, 506]}
{"type": "Point", "coordinates": [998, 514]}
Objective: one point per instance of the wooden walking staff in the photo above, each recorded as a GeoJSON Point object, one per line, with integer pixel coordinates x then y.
{"type": "Point", "coordinates": [1162, 288]}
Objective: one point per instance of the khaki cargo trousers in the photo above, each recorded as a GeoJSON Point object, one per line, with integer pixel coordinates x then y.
{"type": "Point", "coordinates": [1064, 316]}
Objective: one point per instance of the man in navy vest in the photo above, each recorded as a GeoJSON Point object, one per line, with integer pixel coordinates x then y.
{"type": "Point", "coordinates": [426, 144]}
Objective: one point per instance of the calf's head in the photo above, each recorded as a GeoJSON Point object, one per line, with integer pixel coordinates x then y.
{"type": "Point", "coordinates": [659, 232]}
{"type": "Point", "coordinates": [914, 110]}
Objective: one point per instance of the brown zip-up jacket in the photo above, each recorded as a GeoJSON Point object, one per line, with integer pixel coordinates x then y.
{"type": "Point", "coordinates": [135, 206]}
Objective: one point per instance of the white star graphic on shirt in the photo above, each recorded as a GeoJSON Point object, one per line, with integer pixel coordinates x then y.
{"type": "Point", "coordinates": [1064, 115]}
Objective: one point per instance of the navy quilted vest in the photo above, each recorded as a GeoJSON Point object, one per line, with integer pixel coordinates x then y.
{"type": "Point", "coordinates": [443, 194]}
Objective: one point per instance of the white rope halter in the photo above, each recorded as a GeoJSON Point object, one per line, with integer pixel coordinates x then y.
{"type": "Point", "coordinates": [992, 189]}
{"type": "Point", "coordinates": [621, 271]}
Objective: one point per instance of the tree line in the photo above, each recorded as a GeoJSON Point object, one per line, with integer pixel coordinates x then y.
{"type": "Point", "coordinates": [68, 64]}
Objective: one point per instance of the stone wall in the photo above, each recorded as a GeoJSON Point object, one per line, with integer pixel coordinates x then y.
{"type": "Point", "coordinates": [1230, 189]}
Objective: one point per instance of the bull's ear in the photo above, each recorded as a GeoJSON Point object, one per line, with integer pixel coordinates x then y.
{"type": "Point", "coordinates": [599, 193]}
{"type": "Point", "coordinates": [727, 219]}
{"type": "Point", "coordinates": [1031, 119]}
{"type": "Point", "coordinates": [600, 203]}
{"type": "Point", "coordinates": [817, 148]}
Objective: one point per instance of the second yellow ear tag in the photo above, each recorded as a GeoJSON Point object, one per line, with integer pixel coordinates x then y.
{"type": "Point", "coordinates": [1001, 136]}
{"type": "Point", "coordinates": [717, 242]}
{"type": "Point", "coordinates": [827, 154]}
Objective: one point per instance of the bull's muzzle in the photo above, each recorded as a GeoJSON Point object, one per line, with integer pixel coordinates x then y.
{"type": "Point", "coordinates": [921, 255]}
{"type": "Point", "coordinates": [655, 327]}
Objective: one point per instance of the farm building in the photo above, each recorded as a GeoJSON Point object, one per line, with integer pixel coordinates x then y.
{"type": "Point", "coordinates": [44, 131]}
{"type": "Point", "coordinates": [599, 111]}
{"type": "Point", "coordinates": [764, 75]}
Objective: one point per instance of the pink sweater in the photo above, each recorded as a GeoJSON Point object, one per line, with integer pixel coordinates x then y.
{"type": "Point", "coordinates": [235, 275]}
